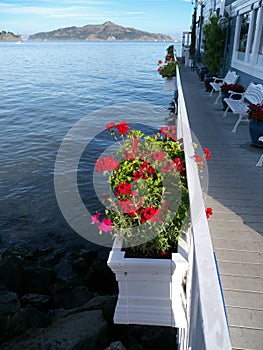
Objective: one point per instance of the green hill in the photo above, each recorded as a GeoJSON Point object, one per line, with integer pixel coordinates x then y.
{"type": "Point", "coordinates": [9, 36]}
{"type": "Point", "coordinates": [106, 31]}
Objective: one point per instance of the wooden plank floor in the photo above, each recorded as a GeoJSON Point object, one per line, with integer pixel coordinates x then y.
{"type": "Point", "coordinates": [236, 195]}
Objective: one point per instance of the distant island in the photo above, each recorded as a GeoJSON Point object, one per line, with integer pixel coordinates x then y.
{"type": "Point", "coordinates": [9, 36]}
{"type": "Point", "coordinates": [107, 31]}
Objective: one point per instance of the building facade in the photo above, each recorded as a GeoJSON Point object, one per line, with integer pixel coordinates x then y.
{"type": "Point", "coordinates": [243, 21]}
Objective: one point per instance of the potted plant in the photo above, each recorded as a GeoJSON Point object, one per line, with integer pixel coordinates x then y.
{"type": "Point", "coordinates": [168, 71]}
{"type": "Point", "coordinates": [146, 213]}
{"type": "Point", "coordinates": [170, 53]}
{"type": "Point", "coordinates": [255, 116]}
{"type": "Point", "coordinates": [227, 89]}
{"type": "Point", "coordinates": [214, 43]}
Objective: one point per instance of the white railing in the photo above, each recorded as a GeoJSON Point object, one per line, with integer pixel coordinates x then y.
{"type": "Point", "coordinates": [207, 324]}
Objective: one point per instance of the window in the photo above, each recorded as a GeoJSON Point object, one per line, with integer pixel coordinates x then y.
{"type": "Point", "coordinates": [253, 24]}
{"type": "Point", "coordinates": [242, 44]}
{"type": "Point", "coordinates": [260, 50]}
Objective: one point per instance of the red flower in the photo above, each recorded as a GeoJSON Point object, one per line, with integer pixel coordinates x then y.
{"type": "Point", "coordinates": [169, 131]}
{"type": "Point", "coordinates": [122, 128]}
{"type": "Point", "coordinates": [129, 207]}
{"type": "Point", "coordinates": [109, 126]}
{"type": "Point", "coordinates": [255, 112]}
{"type": "Point", "coordinates": [207, 153]}
{"type": "Point", "coordinates": [179, 165]}
{"type": "Point", "coordinates": [95, 218]}
{"type": "Point", "coordinates": [106, 225]}
{"type": "Point", "coordinates": [209, 212]}
{"type": "Point", "coordinates": [158, 156]}
{"type": "Point", "coordinates": [225, 88]}
{"type": "Point", "coordinates": [131, 153]}
{"type": "Point", "coordinates": [160, 62]}
{"type": "Point", "coordinates": [106, 163]}
{"type": "Point", "coordinates": [146, 169]}
{"type": "Point", "coordinates": [124, 189]}
{"type": "Point", "coordinates": [149, 213]}
{"type": "Point", "coordinates": [144, 172]}
{"type": "Point", "coordinates": [200, 160]}
{"type": "Point", "coordinates": [169, 168]}
{"type": "Point", "coordinates": [162, 253]}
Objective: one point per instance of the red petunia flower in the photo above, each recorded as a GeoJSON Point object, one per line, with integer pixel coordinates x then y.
{"type": "Point", "coordinates": [158, 156]}
{"type": "Point", "coordinates": [122, 127]}
{"type": "Point", "coordinates": [147, 169]}
{"type": "Point", "coordinates": [106, 163]}
{"type": "Point", "coordinates": [209, 212]}
{"type": "Point", "coordinates": [162, 253]}
{"type": "Point", "coordinates": [207, 153]}
{"type": "Point", "coordinates": [109, 126]}
{"type": "Point", "coordinates": [169, 168]}
{"type": "Point", "coordinates": [131, 153]}
{"type": "Point", "coordinates": [124, 189]}
{"type": "Point", "coordinates": [200, 160]}
{"type": "Point", "coordinates": [169, 131]}
{"type": "Point", "coordinates": [179, 165]}
{"type": "Point", "coordinates": [149, 213]}
{"type": "Point", "coordinates": [129, 207]}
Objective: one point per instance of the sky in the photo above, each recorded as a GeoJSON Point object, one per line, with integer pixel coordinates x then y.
{"type": "Point", "coordinates": [26, 17]}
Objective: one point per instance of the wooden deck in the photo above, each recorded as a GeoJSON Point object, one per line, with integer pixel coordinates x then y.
{"type": "Point", "coordinates": [236, 195]}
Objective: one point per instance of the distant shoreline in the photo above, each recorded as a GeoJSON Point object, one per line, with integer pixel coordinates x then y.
{"type": "Point", "coordinates": [88, 41]}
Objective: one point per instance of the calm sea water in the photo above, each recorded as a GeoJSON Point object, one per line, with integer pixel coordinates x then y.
{"type": "Point", "coordinates": [45, 89]}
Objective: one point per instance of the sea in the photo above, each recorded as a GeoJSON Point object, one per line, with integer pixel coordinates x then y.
{"type": "Point", "coordinates": [55, 100]}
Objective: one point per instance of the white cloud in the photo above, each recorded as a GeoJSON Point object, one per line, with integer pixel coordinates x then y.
{"type": "Point", "coordinates": [134, 13]}
{"type": "Point", "coordinates": [71, 12]}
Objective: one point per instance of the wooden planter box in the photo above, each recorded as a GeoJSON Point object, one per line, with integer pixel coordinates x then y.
{"type": "Point", "coordinates": [151, 291]}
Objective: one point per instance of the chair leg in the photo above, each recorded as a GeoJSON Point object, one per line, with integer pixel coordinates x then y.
{"type": "Point", "coordinates": [218, 98]}
{"type": "Point", "coordinates": [237, 123]}
{"type": "Point", "coordinates": [225, 112]}
{"type": "Point", "coordinates": [260, 161]}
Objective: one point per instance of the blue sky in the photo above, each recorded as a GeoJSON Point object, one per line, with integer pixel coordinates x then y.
{"type": "Point", "coordinates": [26, 17]}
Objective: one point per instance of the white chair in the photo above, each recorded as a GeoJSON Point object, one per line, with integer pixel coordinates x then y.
{"type": "Point", "coordinates": [260, 161]}
{"type": "Point", "coordinates": [230, 78]}
{"type": "Point", "coordinates": [253, 94]}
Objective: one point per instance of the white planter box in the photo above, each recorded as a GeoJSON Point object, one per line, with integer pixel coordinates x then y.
{"type": "Point", "coordinates": [170, 84]}
{"type": "Point", "coordinates": [150, 290]}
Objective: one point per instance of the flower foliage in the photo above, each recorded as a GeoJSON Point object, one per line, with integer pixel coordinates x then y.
{"type": "Point", "coordinates": [167, 69]}
{"type": "Point", "coordinates": [148, 201]}
{"type": "Point", "coordinates": [255, 112]}
{"type": "Point", "coordinates": [232, 87]}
